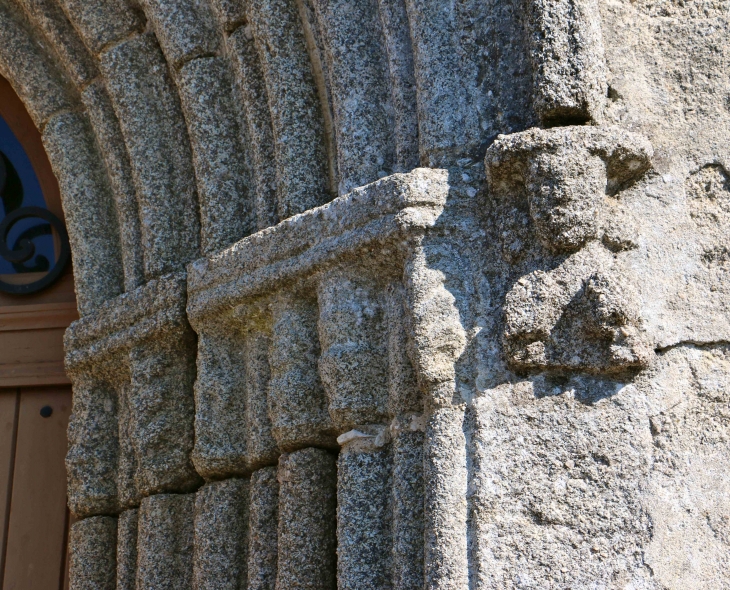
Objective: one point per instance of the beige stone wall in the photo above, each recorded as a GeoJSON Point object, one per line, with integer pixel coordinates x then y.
{"type": "Point", "coordinates": [391, 293]}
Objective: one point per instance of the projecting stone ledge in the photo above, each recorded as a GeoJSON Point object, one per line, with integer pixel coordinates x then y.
{"type": "Point", "coordinates": [393, 209]}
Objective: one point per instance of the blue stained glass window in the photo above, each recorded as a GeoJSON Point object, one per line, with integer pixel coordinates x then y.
{"type": "Point", "coordinates": [22, 189]}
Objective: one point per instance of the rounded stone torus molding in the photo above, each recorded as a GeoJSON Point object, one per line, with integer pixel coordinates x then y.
{"type": "Point", "coordinates": [482, 244]}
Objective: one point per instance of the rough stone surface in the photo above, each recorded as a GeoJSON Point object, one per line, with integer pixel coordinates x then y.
{"type": "Point", "coordinates": [49, 18]}
{"type": "Point", "coordinates": [226, 213]}
{"type": "Point", "coordinates": [91, 462]}
{"type": "Point", "coordinates": [161, 412]}
{"type": "Point", "coordinates": [154, 131]}
{"type": "Point", "coordinates": [307, 520]}
{"type": "Point", "coordinates": [261, 444]}
{"type": "Point", "coordinates": [111, 144]}
{"type": "Point", "coordinates": [521, 348]}
{"type": "Point", "coordinates": [92, 544]}
{"type": "Point", "coordinates": [397, 41]}
{"type": "Point", "coordinates": [104, 22]}
{"type": "Point", "coordinates": [221, 535]}
{"type": "Point", "coordinates": [297, 402]}
{"type": "Point", "coordinates": [363, 516]}
{"type": "Point", "coordinates": [29, 66]}
{"type": "Point", "coordinates": [263, 527]}
{"type": "Point", "coordinates": [165, 542]}
{"type": "Point", "coordinates": [185, 30]}
{"type": "Point", "coordinates": [127, 486]}
{"type": "Point", "coordinates": [445, 509]}
{"type": "Point", "coordinates": [220, 401]}
{"type": "Point", "coordinates": [294, 105]}
{"type": "Point", "coordinates": [353, 363]}
{"type": "Point", "coordinates": [88, 207]}
{"type": "Point", "coordinates": [566, 50]}
{"type": "Point", "coordinates": [407, 521]}
{"type": "Point", "coordinates": [250, 84]}
{"type": "Point", "coordinates": [127, 550]}
{"type": "Point", "coordinates": [356, 60]}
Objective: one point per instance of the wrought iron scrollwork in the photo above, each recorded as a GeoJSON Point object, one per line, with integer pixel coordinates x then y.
{"type": "Point", "coordinates": [23, 249]}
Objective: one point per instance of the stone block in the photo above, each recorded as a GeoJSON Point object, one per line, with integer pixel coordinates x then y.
{"type": "Point", "coordinates": [364, 515]}
{"type": "Point", "coordinates": [49, 18]}
{"type": "Point", "coordinates": [127, 490]}
{"type": "Point", "coordinates": [104, 22]}
{"type": "Point", "coordinates": [408, 510]}
{"type": "Point", "coordinates": [93, 448]}
{"type": "Point", "coordinates": [353, 364]}
{"type": "Point", "coordinates": [569, 68]}
{"type": "Point", "coordinates": [261, 444]}
{"type": "Point", "coordinates": [404, 397]}
{"type": "Point", "coordinates": [185, 30]}
{"type": "Point", "coordinates": [127, 550]}
{"type": "Point", "coordinates": [165, 542]}
{"type": "Point", "coordinates": [307, 520]}
{"type": "Point", "coordinates": [221, 535]}
{"type": "Point", "coordinates": [220, 404]}
{"type": "Point", "coordinates": [92, 546]}
{"type": "Point", "coordinates": [263, 548]}
{"type": "Point", "coordinates": [445, 510]}
{"type": "Point", "coordinates": [148, 107]}
{"type": "Point", "coordinates": [162, 413]}
{"type": "Point", "coordinates": [297, 401]}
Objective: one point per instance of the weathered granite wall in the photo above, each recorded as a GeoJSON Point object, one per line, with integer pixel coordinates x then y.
{"type": "Point", "coordinates": [306, 362]}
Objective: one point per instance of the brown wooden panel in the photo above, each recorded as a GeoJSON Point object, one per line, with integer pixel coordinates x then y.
{"type": "Point", "coordinates": [32, 357]}
{"type": "Point", "coordinates": [32, 346]}
{"type": "Point", "coordinates": [37, 317]}
{"type": "Point", "coordinates": [37, 527]}
{"type": "Point", "coordinates": [61, 291]}
{"type": "Point", "coordinates": [33, 374]}
{"type": "Point", "coordinates": [8, 424]}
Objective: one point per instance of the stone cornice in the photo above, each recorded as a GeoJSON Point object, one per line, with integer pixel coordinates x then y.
{"type": "Point", "coordinates": [399, 205]}
{"type": "Point", "coordinates": [155, 308]}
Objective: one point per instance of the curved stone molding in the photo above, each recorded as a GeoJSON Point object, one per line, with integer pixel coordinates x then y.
{"type": "Point", "coordinates": [294, 105]}
{"type": "Point", "coordinates": [506, 372]}
{"type": "Point", "coordinates": [358, 70]}
{"type": "Point", "coordinates": [151, 120]}
{"type": "Point", "coordinates": [104, 22]}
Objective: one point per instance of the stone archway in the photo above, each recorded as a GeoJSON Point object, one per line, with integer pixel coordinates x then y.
{"type": "Point", "coordinates": [450, 375]}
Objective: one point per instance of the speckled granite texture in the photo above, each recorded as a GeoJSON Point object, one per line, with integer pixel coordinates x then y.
{"type": "Point", "coordinates": [305, 362]}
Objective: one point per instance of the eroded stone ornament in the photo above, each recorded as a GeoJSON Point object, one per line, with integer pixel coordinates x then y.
{"type": "Point", "coordinates": [554, 192]}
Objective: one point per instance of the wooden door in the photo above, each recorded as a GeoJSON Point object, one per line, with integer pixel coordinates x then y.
{"type": "Point", "coordinates": [35, 396]}
{"type": "Point", "coordinates": [33, 516]}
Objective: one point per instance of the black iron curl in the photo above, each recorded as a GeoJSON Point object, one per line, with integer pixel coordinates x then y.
{"type": "Point", "coordinates": [25, 249]}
